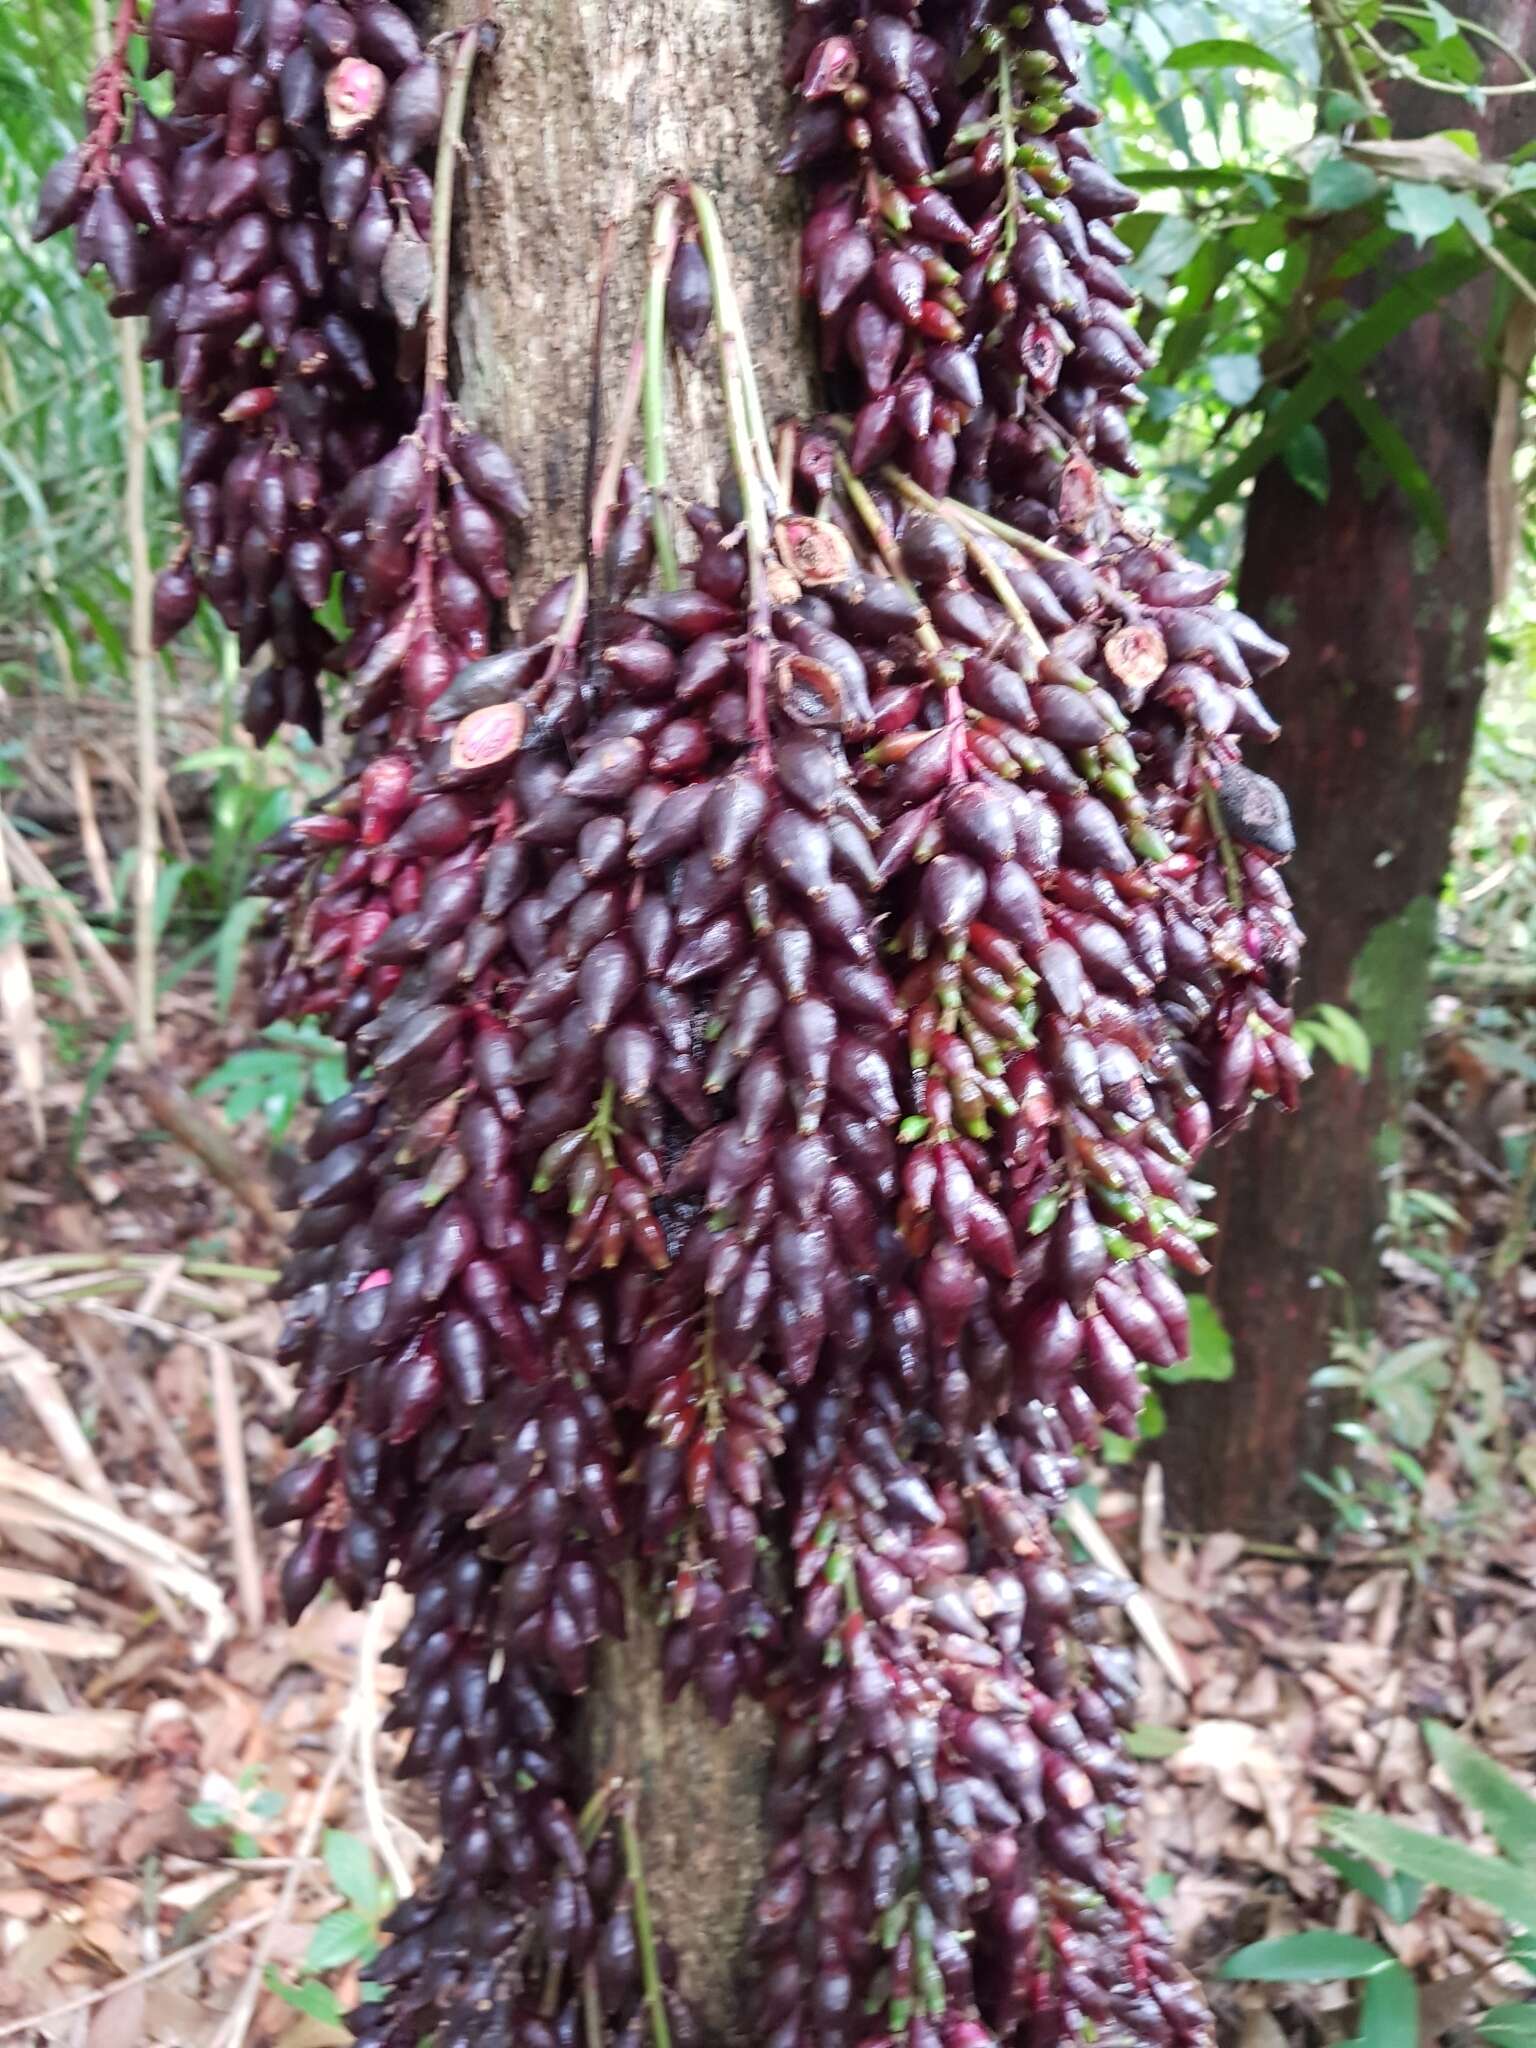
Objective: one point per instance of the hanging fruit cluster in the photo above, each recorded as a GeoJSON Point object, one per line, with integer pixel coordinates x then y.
{"type": "Point", "coordinates": [273, 229]}
{"type": "Point", "coordinates": [786, 996]}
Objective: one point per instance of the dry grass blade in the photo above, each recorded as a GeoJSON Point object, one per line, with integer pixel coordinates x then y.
{"type": "Point", "coordinates": [37, 1589]}
{"type": "Point", "coordinates": [43, 1781]}
{"type": "Point", "coordinates": [18, 1003]}
{"type": "Point", "coordinates": [38, 1379]}
{"type": "Point", "coordinates": [91, 841]}
{"type": "Point", "coordinates": [36, 877]}
{"type": "Point", "coordinates": [1139, 1611]}
{"type": "Point", "coordinates": [57, 1638]}
{"type": "Point", "coordinates": [130, 1393]}
{"type": "Point", "coordinates": [37, 1500]}
{"type": "Point", "coordinates": [85, 1735]}
{"type": "Point", "coordinates": [271, 1376]}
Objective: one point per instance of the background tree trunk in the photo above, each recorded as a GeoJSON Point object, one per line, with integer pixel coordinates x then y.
{"type": "Point", "coordinates": [1388, 638]}
{"type": "Point", "coordinates": [588, 107]}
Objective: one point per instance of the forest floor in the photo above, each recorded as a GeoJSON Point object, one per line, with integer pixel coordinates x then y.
{"type": "Point", "coordinates": [190, 1803]}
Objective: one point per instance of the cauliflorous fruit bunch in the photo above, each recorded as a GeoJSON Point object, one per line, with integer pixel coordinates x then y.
{"type": "Point", "coordinates": [787, 986]}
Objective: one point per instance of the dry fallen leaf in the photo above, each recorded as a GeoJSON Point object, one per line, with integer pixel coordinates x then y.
{"type": "Point", "coordinates": [118, 2021]}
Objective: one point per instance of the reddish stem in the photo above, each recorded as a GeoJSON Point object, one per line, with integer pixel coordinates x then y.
{"type": "Point", "coordinates": [108, 93]}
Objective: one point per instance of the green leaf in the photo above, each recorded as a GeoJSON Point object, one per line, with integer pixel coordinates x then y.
{"type": "Point", "coordinates": [328, 1079]}
{"type": "Point", "coordinates": [1471, 1875]}
{"type": "Point", "coordinates": [1210, 1348]}
{"type": "Point", "coordinates": [1338, 110]}
{"type": "Point", "coordinates": [1389, 1891]}
{"type": "Point", "coordinates": [1389, 2009]}
{"type": "Point", "coordinates": [1422, 211]}
{"type": "Point", "coordinates": [1152, 1743]}
{"type": "Point", "coordinates": [1225, 53]}
{"type": "Point", "coordinates": [1522, 1953]}
{"type": "Point", "coordinates": [229, 949]}
{"type": "Point", "coordinates": [167, 889]}
{"type": "Point", "coordinates": [1305, 456]}
{"type": "Point", "coordinates": [340, 1938]}
{"type": "Point", "coordinates": [353, 1871]}
{"type": "Point", "coordinates": [1335, 1376]}
{"type": "Point", "coordinates": [1337, 185]}
{"type": "Point", "coordinates": [1340, 1034]}
{"type": "Point", "coordinates": [1508, 1811]}
{"type": "Point", "coordinates": [210, 759]}
{"type": "Point", "coordinates": [1317, 1957]}
{"type": "Point", "coordinates": [95, 1081]}
{"type": "Point", "coordinates": [331, 613]}
{"type": "Point", "coordinates": [104, 628]}
{"type": "Point", "coordinates": [1416, 294]}
{"type": "Point", "coordinates": [1509, 2026]}
{"type": "Point", "coordinates": [316, 2000]}
{"type": "Point", "coordinates": [1473, 217]}
{"type": "Point", "coordinates": [1410, 1468]}
{"type": "Point", "coordinates": [1173, 242]}
{"type": "Point", "coordinates": [1236, 379]}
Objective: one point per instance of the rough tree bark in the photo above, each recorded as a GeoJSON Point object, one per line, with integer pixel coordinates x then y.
{"type": "Point", "coordinates": [588, 107]}
{"type": "Point", "coordinates": [1388, 637]}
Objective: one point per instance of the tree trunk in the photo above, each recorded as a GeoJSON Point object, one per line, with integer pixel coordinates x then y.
{"type": "Point", "coordinates": [1388, 637]}
{"type": "Point", "coordinates": [586, 110]}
